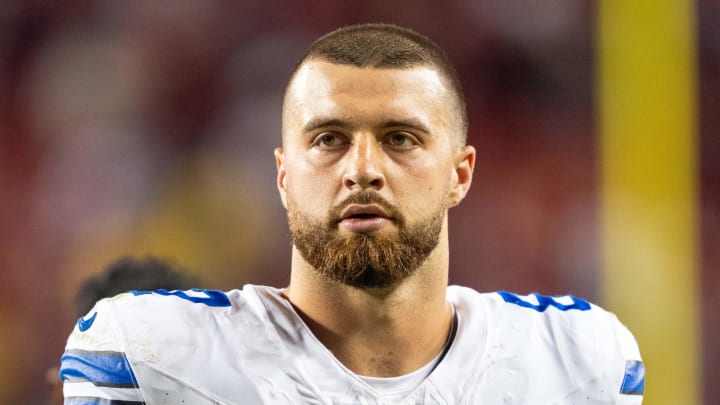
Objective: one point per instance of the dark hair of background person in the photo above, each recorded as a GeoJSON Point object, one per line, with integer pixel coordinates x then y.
{"type": "Point", "coordinates": [130, 273]}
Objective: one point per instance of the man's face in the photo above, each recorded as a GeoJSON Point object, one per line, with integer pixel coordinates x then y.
{"type": "Point", "coordinates": [371, 160]}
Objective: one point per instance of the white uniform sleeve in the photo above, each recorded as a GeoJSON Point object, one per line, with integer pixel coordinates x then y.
{"type": "Point", "coordinates": [94, 368]}
{"type": "Point", "coordinates": [632, 386]}
{"type": "Point", "coordinates": [619, 373]}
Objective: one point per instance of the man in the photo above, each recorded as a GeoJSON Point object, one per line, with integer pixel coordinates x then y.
{"type": "Point", "coordinates": [373, 156]}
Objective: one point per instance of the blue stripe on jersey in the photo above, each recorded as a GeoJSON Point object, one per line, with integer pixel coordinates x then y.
{"type": "Point", "coordinates": [634, 381]}
{"type": "Point", "coordinates": [211, 298]}
{"type": "Point", "coordinates": [98, 401]}
{"type": "Point", "coordinates": [545, 301]}
{"type": "Point", "coordinates": [102, 368]}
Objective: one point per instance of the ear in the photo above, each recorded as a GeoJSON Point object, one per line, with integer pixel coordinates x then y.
{"type": "Point", "coordinates": [281, 175]}
{"type": "Point", "coordinates": [462, 174]}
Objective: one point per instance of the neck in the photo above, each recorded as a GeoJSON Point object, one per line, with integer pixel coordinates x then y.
{"type": "Point", "coordinates": [377, 332]}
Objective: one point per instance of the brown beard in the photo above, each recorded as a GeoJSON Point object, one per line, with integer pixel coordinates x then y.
{"type": "Point", "coordinates": [365, 260]}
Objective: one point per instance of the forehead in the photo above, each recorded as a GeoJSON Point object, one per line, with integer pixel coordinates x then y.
{"type": "Point", "coordinates": [325, 76]}
{"type": "Point", "coordinates": [323, 88]}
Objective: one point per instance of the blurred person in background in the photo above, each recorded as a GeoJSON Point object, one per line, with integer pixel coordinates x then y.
{"type": "Point", "coordinates": [125, 274]}
{"type": "Point", "coordinates": [373, 155]}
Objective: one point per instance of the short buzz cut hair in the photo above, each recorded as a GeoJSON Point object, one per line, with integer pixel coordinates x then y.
{"type": "Point", "coordinates": [379, 45]}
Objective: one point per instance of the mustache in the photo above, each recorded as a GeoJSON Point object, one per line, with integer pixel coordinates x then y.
{"type": "Point", "coordinates": [367, 197]}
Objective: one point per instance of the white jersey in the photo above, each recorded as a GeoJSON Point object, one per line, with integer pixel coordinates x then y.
{"type": "Point", "coordinates": [249, 346]}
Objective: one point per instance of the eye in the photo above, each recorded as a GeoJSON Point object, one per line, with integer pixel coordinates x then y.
{"type": "Point", "coordinates": [401, 140]}
{"type": "Point", "coordinates": [329, 140]}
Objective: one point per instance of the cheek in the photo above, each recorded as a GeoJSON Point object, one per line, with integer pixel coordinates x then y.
{"type": "Point", "coordinates": [422, 187]}
{"type": "Point", "coordinates": [307, 184]}
{"type": "Point", "coordinates": [427, 175]}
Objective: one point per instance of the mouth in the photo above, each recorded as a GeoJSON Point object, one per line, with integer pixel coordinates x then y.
{"type": "Point", "coordinates": [357, 211]}
{"type": "Point", "coordinates": [364, 218]}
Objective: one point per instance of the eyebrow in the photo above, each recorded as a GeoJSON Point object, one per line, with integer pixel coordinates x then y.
{"type": "Point", "coordinates": [321, 122]}
{"type": "Point", "coordinates": [407, 123]}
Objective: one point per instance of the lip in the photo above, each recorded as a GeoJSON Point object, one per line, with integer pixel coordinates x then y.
{"type": "Point", "coordinates": [363, 218]}
{"type": "Point", "coordinates": [358, 210]}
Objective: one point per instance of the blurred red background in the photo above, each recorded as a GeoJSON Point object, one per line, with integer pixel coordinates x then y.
{"type": "Point", "coordinates": [148, 128]}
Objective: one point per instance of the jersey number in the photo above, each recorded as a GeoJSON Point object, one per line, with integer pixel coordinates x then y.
{"type": "Point", "coordinates": [544, 301]}
{"type": "Point", "coordinates": [211, 298]}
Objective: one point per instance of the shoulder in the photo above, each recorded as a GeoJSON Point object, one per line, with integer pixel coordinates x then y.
{"type": "Point", "coordinates": [563, 312]}
{"type": "Point", "coordinates": [129, 311]}
{"type": "Point", "coordinates": [118, 333]}
{"type": "Point", "coordinates": [567, 335]}
{"type": "Point", "coordinates": [565, 317]}
{"type": "Point", "coordinates": [161, 312]}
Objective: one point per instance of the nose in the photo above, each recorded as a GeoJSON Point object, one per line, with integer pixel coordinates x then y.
{"type": "Point", "coordinates": [364, 169]}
